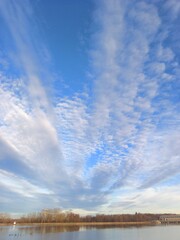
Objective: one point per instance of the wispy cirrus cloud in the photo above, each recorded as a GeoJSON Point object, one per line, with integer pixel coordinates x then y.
{"type": "Point", "coordinates": [18, 18]}
{"type": "Point", "coordinates": [29, 139]}
{"type": "Point", "coordinates": [21, 186]}
{"type": "Point", "coordinates": [28, 132]}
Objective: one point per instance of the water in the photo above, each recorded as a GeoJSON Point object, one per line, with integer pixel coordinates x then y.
{"type": "Point", "coordinates": [90, 233]}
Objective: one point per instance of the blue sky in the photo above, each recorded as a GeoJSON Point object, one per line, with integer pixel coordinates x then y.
{"type": "Point", "coordinates": [90, 106]}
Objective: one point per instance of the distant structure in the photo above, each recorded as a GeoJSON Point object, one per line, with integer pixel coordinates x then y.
{"type": "Point", "coordinates": [170, 218]}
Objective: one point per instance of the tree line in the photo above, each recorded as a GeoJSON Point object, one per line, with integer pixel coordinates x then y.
{"type": "Point", "coordinates": [59, 216]}
{"type": "Point", "coordinates": [5, 218]}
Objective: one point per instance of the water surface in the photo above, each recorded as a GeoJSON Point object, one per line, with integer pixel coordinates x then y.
{"type": "Point", "coordinates": [90, 233]}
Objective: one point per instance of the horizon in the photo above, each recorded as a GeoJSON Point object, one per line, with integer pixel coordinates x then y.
{"type": "Point", "coordinates": [90, 106]}
{"type": "Point", "coordinates": [60, 211]}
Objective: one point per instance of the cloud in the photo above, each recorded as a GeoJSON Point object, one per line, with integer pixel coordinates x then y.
{"type": "Point", "coordinates": [20, 186]}
{"type": "Point", "coordinates": [27, 115]}
{"type": "Point", "coordinates": [30, 134]}
{"type": "Point", "coordinates": [72, 127]}
{"type": "Point", "coordinates": [165, 54]}
{"type": "Point", "coordinates": [166, 166]}
{"type": "Point", "coordinates": [11, 160]}
{"type": "Point", "coordinates": [174, 7]}
{"type": "Point", "coordinates": [116, 117]}
{"type": "Point", "coordinates": [19, 19]}
{"type": "Point", "coordinates": [154, 200]}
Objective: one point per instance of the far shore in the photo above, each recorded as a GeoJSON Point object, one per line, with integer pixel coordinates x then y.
{"type": "Point", "coordinates": [83, 224]}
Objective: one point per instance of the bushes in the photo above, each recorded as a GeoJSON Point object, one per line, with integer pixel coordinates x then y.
{"type": "Point", "coordinates": [58, 216]}
{"type": "Point", "coordinates": [5, 218]}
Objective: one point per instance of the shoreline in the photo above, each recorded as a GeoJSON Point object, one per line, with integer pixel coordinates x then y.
{"type": "Point", "coordinates": [83, 224]}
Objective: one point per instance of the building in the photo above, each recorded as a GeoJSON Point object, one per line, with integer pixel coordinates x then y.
{"type": "Point", "coordinates": [170, 218]}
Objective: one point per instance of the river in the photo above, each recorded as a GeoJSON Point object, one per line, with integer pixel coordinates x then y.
{"type": "Point", "coordinates": [164, 232]}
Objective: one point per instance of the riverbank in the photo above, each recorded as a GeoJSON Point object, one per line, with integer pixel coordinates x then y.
{"type": "Point", "coordinates": [84, 224]}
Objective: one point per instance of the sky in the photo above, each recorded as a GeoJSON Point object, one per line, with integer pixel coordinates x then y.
{"type": "Point", "coordinates": [90, 106]}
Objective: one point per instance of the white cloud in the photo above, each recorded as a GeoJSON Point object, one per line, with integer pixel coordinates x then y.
{"type": "Point", "coordinates": [72, 127]}
{"type": "Point", "coordinates": [27, 115]}
{"type": "Point", "coordinates": [150, 200]}
{"type": "Point", "coordinates": [30, 133]}
{"type": "Point", "coordinates": [174, 7]}
{"type": "Point", "coordinates": [21, 186]}
{"type": "Point", "coordinates": [19, 19]}
{"type": "Point", "coordinates": [110, 142]}
{"type": "Point", "coordinates": [165, 54]}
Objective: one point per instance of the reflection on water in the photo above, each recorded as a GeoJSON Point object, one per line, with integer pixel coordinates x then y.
{"type": "Point", "coordinates": [44, 229]}
{"type": "Point", "coordinates": [105, 226]}
{"type": "Point", "coordinates": [19, 231]}
{"type": "Point", "coordinates": [99, 232]}
{"type": "Point", "coordinates": [47, 229]}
